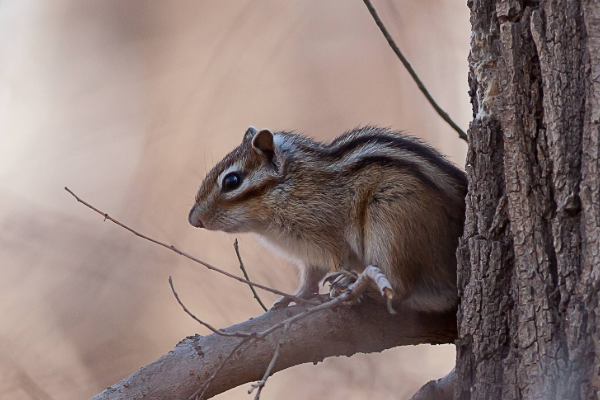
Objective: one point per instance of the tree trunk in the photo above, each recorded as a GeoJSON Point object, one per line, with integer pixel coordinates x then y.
{"type": "Point", "coordinates": [529, 260]}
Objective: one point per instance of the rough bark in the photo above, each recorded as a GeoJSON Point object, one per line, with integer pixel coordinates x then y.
{"type": "Point", "coordinates": [529, 259]}
{"type": "Point", "coordinates": [342, 331]}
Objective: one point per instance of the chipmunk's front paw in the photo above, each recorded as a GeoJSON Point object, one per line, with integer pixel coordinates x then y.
{"type": "Point", "coordinates": [340, 282]}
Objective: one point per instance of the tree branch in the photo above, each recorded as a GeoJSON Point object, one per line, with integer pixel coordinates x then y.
{"type": "Point", "coordinates": [345, 331]}
{"type": "Point", "coordinates": [441, 389]}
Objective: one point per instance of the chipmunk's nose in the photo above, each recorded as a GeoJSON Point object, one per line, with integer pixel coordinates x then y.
{"type": "Point", "coordinates": [194, 218]}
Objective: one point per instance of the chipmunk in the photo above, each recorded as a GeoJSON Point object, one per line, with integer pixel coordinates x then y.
{"type": "Point", "coordinates": [370, 197]}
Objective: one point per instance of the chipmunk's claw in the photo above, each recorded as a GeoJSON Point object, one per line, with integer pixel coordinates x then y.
{"type": "Point", "coordinates": [340, 282]}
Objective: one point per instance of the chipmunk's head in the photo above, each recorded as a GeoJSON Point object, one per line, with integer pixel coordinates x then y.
{"type": "Point", "coordinates": [234, 195]}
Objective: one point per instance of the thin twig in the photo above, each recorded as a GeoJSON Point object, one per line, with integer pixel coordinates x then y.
{"type": "Point", "coordinates": [206, 324]}
{"type": "Point", "coordinates": [237, 252]}
{"type": "Point", "coordinates": [411, 71]}
{"type": "Point", "coordinates": [296, 299]}
{"type": "Point", "coordinates": [261, 384]}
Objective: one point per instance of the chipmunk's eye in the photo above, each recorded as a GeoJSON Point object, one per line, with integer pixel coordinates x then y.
{"type": "Point", "coordinates": [231, 181]}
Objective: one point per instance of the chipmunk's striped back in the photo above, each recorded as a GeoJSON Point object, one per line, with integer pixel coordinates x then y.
{"type": "Point", "coordinates": [371, 196]}
{"type": "Point", "coordinates": [364, 146]}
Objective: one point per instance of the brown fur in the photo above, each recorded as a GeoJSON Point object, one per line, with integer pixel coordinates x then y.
{"type": "Point", "coordinates": [372, 196]}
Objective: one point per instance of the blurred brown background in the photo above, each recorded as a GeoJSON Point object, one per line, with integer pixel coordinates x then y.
{"type": "Point", "coordinates": [128, 103]}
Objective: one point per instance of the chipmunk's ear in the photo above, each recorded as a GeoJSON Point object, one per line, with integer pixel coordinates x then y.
{"type": "Point", "coordinates": [250, 132]}
{"type": "Point", "coordinates": [262, 142]}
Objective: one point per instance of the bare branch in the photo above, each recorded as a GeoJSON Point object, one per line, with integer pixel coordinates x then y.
{"type": "Point", "coordinates": [237, 252]}
{"type": "Point", "coordinates": [333, 332]}
{"type": "Point", "coordinates": [441, 389]}
{"type": "Point", "coordinates": [296, 299]}
{"type": "Point", "coordinates": [411, 71]}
